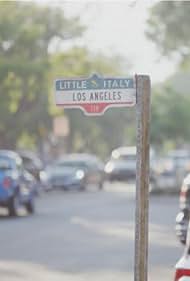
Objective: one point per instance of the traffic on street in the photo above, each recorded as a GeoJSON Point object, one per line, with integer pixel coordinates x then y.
{"type": "Point", "coordinates": [72, 219]}
{"type": "Point", "coordinates": [82, 236]}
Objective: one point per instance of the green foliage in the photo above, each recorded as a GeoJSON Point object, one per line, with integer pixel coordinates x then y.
{"type": "Point", "coordinates": [170, 117]}
{"type": "Point", "coordinates": [28, 66]}
{"type": "Point", "coordinates": [27, 32]}
{"type": "Point", "coordinates": [168, 27]}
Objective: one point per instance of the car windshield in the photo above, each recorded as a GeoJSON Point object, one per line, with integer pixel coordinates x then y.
{"type": "Point", "coordinates": [32, 161]}
{"type": "Point", "coordinates": [179, 161]}
{"type": "Point", "coordinates": [128, 158]}
{"type": "Point", "coordinates": [72, 164]}
{"type": "Point", "coordinates": [5, 163]}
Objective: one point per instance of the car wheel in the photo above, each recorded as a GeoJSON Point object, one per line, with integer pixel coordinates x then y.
{"type": "Point", "coordinates": [30, 206]}
{"type": "Point", "coordinates": [82, 187]}
{"type": "Point", "coordinates": [101, 185]}
{"type": "Point", "coordinates": [13, 206]}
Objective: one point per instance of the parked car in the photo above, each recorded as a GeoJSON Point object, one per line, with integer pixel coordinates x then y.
{"type": "Point", "coordinates": [166, 178]}
{"type": "Point", "coordinates": [181, 159]}
{"type": "Point", "coordinates": [32, 163]}
{"type": "Point", "coordinates": [183, 216]}
{"type": "Point", "coordinates": [171, 169]}
{"type": "Point", "coordinates": [76, 171]}
{"type": "Point", "coordinates": [122, 164]}
{"type": "Point", "coordinates": [17, 186]}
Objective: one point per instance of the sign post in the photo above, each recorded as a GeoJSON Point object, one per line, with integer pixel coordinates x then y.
{"type": "Point", "coordinates": [142, 177]}
{"type": "Point", "coordinates": [96, 94]}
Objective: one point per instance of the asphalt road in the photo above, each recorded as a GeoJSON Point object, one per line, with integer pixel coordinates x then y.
{"type": "Point", "coordinates": [77, 236]}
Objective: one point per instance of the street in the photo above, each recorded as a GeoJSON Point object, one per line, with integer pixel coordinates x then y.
{"type": "Point", "coordinates": [89, 235]}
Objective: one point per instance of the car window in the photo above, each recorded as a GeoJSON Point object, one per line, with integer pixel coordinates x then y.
{"type": "Point", "coordinates": [128, 157]}
{"type": "Point", "coordinates": [73, 164]}
{"type": "Point", "coordinates": [95, 164]}
{"type": "Point", "coordinates": [32, 163]}
{"type": "Point", "coordinates": [124, 157]}
{"type": "Point", "coordinates": [19, 166]}
{"type": "Point", "coordinates": [5, 163]}
{"type": "Point", "coordinates": [91, 165]}
{"type": "Point", "coordinates": [26, 160]}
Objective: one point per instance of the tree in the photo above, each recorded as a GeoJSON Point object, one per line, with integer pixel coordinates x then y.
{"type": "Point", "coordinates": [27, 32]}
{"type": "Point", "coordinates": [168, 27]}
{"type": "Point", "coordinates": [170, 111]}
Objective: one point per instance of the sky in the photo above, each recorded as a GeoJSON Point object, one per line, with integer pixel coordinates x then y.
{"type": "Point", "coordinates": [118, 28]}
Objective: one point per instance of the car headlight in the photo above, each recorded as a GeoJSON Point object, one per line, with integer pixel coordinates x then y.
{"type": "Point", "coordinates": [80, 174]}
{"type": "Point", "coordinates": [24, 189]}
{"type": "Point", "coordinates": [43, 176]}
{"type": "Point", "coordinates": [109, 167]}
{"type": "Point", "coordinates": [187, 180]}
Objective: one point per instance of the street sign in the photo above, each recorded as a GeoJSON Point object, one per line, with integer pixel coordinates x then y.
{"type": "Point", "coordinates": [94, 95]}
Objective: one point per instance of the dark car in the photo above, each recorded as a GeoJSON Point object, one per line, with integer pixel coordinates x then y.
{"type": "Point", "coordinates": [182, 218]}
{"type": "Point", "coordinates": [122, 164]}
{"type": "Point", "coordinates": [76, 171]}
{"type": "Point", "coordinates": [17, 186]}
{"type": "Point", "coordinates": [32, 163]}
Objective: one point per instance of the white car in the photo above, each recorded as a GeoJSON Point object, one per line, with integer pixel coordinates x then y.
{"type": "Point", "coordinates": [182, 272]}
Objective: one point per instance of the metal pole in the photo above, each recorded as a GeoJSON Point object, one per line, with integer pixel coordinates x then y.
{"type": "Point", "coordinates": [142, 178]}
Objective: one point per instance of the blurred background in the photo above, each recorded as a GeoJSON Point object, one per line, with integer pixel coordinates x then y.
{"type": "Point", "coordinates": [46, 151]}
